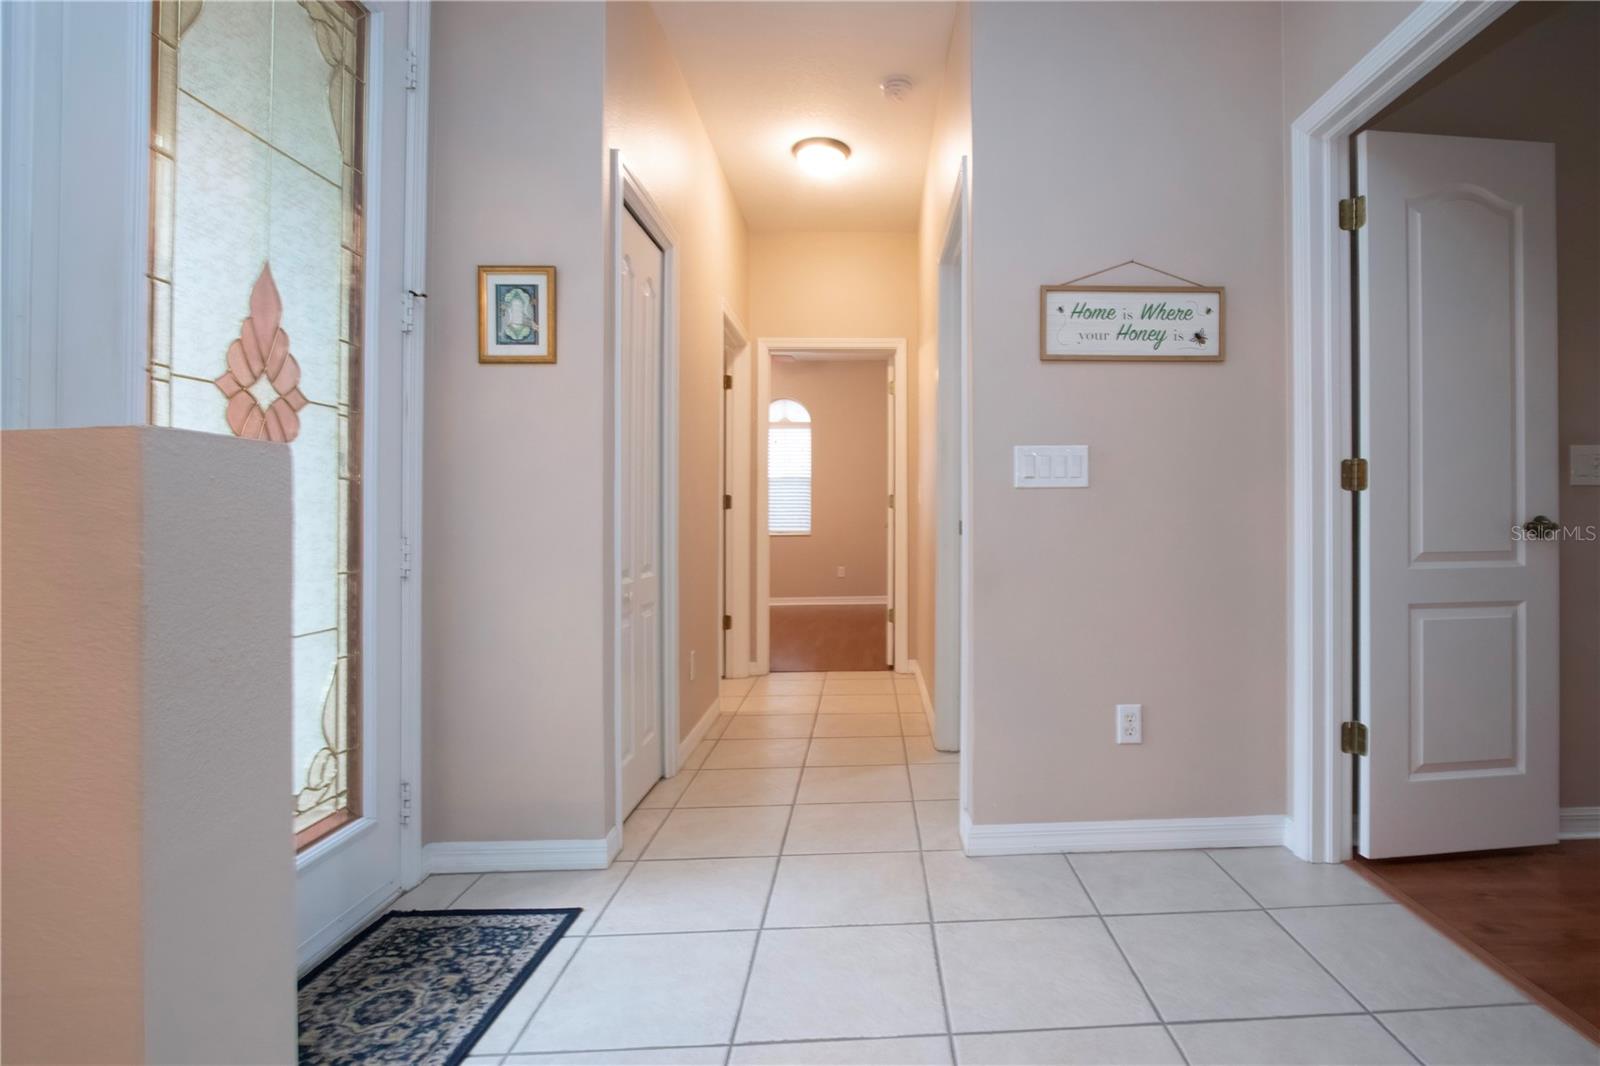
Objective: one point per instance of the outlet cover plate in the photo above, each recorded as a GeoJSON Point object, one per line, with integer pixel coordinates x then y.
{"type": "Point", "coordinates": [1130, 723]}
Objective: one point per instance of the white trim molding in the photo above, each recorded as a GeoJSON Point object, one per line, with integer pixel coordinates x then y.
{"type": "Point", "coordinates": [827, 601]}
{"type": "Point", "coordinates": [687, 745]}
{"type": "Point", "coordinates": [491, 856]}
{"type": "Point", "coordinates": [1579, 823]}
{"type": "Point", "coordinates": [1140, 834]}
{"type": "Point", "coordinates": [925, 698]}
{"type": "Point", "coordinates": [1321, 570]}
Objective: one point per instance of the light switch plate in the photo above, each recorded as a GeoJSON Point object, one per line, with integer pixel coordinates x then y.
{"type": "Point", "coordinates": [1050, 466]}
{"type": "Point", "coordinates": [1585, 464]}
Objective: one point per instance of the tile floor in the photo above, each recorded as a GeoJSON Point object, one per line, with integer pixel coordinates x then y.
{"type": "Point", "coordinates": [797, 895]}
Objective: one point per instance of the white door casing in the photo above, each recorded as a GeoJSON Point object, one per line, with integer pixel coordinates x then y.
{"type": "Point", "coordinates": [1457, 416]}
{"type": "Point", "coordinates": [738, 427]}
{"type": "Point", "coordinates": [348, 876]}
{"type": "Point", "coordinates": [640, 627]}
{"type": "Point", "coordinates": [952, 563]}
{"type": "Point", "coordinates": [891, 503]}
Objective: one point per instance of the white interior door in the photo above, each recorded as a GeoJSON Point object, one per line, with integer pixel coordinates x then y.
{"type": "Point", "coordinates": [888, 518]}
{"type": "Point", "coordinates": [736, 529]}
{"type": "Point", "coordinates": [639, 460]}
{"type": "Point", "coordinates": [1457, 365]}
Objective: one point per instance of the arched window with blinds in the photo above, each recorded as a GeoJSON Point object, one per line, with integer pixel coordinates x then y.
{"type": "Point", "coordinates": [788, 468]}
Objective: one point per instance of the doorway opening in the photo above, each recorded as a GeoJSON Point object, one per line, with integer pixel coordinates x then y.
{"type": "Point", "coordinates": [830, 472]}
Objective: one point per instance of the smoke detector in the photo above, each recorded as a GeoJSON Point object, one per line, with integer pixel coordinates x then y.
{"type": "Point", "coordinates": [895, 87]}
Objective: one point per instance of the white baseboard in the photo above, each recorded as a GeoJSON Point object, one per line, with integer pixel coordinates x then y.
{"type": "Point", "coordinates": [490, 856]}
{"type": "Point", "coordinates": [687, 745]}
{"type": "Point", "coordinates": [1579, 823]}
{"type": "Point", "coordinates": [922, 692]}
{"type": "Point", "coordinates": [1141, 834]}
{"type": "Point", "coordinates": [828, 601]}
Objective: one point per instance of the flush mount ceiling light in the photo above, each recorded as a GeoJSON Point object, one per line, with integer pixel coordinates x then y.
{"type": "Point", "coordinates": [821, 156]}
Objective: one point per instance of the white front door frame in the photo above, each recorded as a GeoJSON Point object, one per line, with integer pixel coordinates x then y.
{"type": "Point", "coordinates": [628, 194]}
{"type": "Point", "coordinates": [953, 562]}
{"type": "Point", "coordinates": [733, 576]}
{"type": "Point", "coordinates": [1322, 618]}
{"type": "Point", "coordinates": [892, 349]}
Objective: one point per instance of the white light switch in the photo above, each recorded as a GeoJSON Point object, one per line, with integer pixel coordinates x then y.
{"type": "Point", "coordinates": [1585, 462]}
{"type": "Point", "coordinates": [1050, 466]}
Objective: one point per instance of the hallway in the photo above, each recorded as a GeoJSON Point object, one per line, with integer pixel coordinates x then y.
{"type": "Point", "coordinates": [797, 894]}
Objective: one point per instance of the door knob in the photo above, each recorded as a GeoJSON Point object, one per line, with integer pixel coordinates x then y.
{"type": "Point", "coordinates": [1539, 527]}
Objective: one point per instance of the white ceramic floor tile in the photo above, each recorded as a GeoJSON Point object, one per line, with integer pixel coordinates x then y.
{"type": "Point", "coordinates": [1277, 879]}
{"type": "Point", "coordinates": [941, 781]}
{"type": "Point", "coordinates": [436, 892]}
{"type": "Point", "coordinates": [719, 833]}
{"type": "Point", "coordinates": [788, 685]}
{"type": "Point", "coordinates": [1350, 1040]}
{"type": "Point", "coordinates": [903, 1051]}
{"type": "Point", "coordinates": [851, 827]}
{"type": "Point", "coordinates": [666, 791]}
{"type": "Point", "coordinates": [939, 821]}
{"type": "Point", "coordinates": [768, 727]}
{"type": "Point", "coordinates": [857, 725]}
{"type": "Point", "coordinates": [729, 704]}
{"type": "Point", "coordinates": [1149, 882]}
{"type": "Point", "coordinates": [756, 703]}
{"type": "Point", "coordinates": [735, 686]}
{"type": "Point", "coordinates": [644, 991]}
{"type": "Point", "coordinates": [753, 754]}
{"type": "Point", "coordinates": [638, 829]}
{"type": "Point", "coordinates": [589, 889]}
{"type": "Point", "coordinates": [1199, 967]}
{"type": "Point", "coordinates": [905, 683]}
{"type": "Point", "coordinates": [857, 751]}
{"type": "Point", "coordinates": [920, 749]}
{"type": "Point", "coordinates": [1492, 1036]}
{"type": "Point", "coordinates": [697, 757]}
{"type": "Point", "coordinates": [742, 788]}
{"type": "Point", "coordinates": [1391, 960]}
{"type": "Point", "coordinates": [914, 724]}
{"type": "Point", "coordinates": [911, 703]}
{"type": "Point", "coordinates": [861, 675]}
{"type": "Point", "coordinates": [864, 703]}
{"type": "Point", "coordinates": [1055, 973]}
{"type": "Point", "coordinates": [1132, 1045]}
{"type": "Point", "coordinates": [857, 686]}
{"type": "Point", "coordinates": [1004, 886]}
{"type": "Point", "coordinates": [854, 784]}
{"type": "Point", "coordinates": [853, 982]}
{"type": "Point", "coordinates": [719, 726]}
{"type": "Point", "coordinates": [508, 1024]}
{"type": "Point", "coordinates": [685, 895]}
{"type": "Point", "coordinates": [666, 1056]}
{"type": "Point", "coordinates": [848, 890]}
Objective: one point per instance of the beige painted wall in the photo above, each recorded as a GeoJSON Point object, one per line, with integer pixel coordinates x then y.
{"type": "Point", "coordinates": [849, 479]}
{"type": "Point", "coordinates": [952, 140]}
{"type": "Point", "coordinates": [1323, 40]}
{"type": "Point", "coordinates": [143, 816]}
{"type": "Point", "coordinates": [651, 118]}
{"type": "Point", "coordinates": [1535, 75]}
{"type": "Point", "coordinates": [514, 529]}
{"type": "Point", "coordinates": [821, 284]}
{"type": "Point", "coordinates": [1162, 584]}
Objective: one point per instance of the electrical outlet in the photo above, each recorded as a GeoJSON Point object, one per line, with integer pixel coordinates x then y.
{"type": "Point", "coordinates": [691, 665]}
{"type": "Point", "coordinates": [1130, 723]}
{"type": "Point", "coordinates": [839, 572]}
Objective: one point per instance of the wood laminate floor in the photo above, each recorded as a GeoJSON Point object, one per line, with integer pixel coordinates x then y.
{"type": "Point", "coordinates": [829, 638]}
{"type": "Point", "coordinates": [1533, 913]}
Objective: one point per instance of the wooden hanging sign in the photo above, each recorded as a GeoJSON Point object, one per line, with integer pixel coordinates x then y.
{"type": "Point", "coordinates": [1130, 324]}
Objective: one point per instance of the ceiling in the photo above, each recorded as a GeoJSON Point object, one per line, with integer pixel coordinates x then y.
{"type": "Point", "coordinates": [764, 75]}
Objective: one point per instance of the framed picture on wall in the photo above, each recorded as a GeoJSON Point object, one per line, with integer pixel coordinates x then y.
{"type": "Point", "coordinates": [1130, 323]}
{"type": "Point", "coordinates": [516, 314]}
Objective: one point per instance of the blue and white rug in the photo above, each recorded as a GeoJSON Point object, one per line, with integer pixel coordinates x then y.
{"type": "Point", "coordinates": [421, 986]}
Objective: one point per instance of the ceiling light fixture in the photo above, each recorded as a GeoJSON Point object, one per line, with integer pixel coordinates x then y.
{"type": "Point", "coordinates": [821, 156]}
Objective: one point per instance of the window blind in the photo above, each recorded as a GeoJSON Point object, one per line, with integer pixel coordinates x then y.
{"type": "Point", "coordinates": [789, 479]}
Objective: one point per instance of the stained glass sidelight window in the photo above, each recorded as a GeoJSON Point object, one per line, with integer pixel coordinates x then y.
{"type": "Point", "coordinates": [256, 265]}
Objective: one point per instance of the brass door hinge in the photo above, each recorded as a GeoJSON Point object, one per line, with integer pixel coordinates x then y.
{"type": "Point", "coordinates": [727, 621]}
{"type": "Point", "coordinates": [727, 381]}
{"type": "Point", "coordinates": [1353, 738]}
{"type": "Point", "coordinates": [891, 501]}
{"type": "Point", "coordinates": [1353, 475]}
{"type": "Point", "coordinates": [727, 502]}
{"type": "Point", "coordinates": [891, 616]}
{"type": "Point", "coordinates": [1353, 213]}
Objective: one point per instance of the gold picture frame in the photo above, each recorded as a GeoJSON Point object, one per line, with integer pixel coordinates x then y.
{"type": "Point", "coordinates": [1196, 339]}
{"type": "Point", "coordinates": [516, 314]}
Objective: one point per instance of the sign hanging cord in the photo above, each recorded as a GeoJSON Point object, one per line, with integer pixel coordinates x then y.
{"type": "Point", "coordinates": [1133, 262]}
